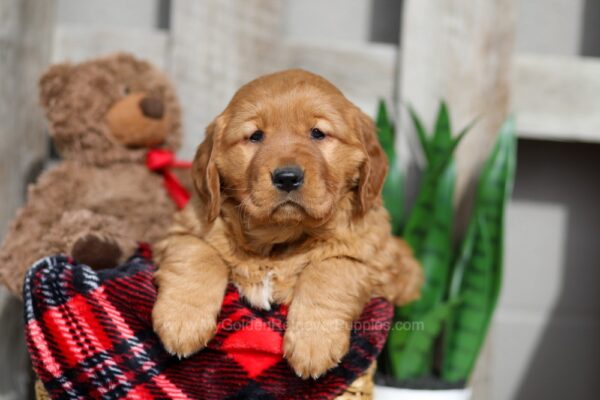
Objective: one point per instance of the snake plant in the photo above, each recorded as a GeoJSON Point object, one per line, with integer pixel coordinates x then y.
{"type": "Point", "coordinates": [462, 282]}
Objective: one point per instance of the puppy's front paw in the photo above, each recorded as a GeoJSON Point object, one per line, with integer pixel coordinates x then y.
{"type": "Point", "coordinates": [183, 329]}
{"type": "Point", "coordinates": [312, 350]}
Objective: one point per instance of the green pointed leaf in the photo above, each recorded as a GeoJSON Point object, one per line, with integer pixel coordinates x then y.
{"type": "Point", "coordinates": [421, 134]}
{"type": "Point", "coordinates": [393, 197]}
{"type": "Point", "coordinates": [429, 232]}
{"type": "Point", "coordinates": [436, 177]}
{"type": "Point", "coordinates": [442, 136]}
{"type": "Point", "coordinates": [477, 273]}
{"type": "Point", "coordinates": [434, 251]}
{"type": "Point", "coordinates": [410, 351]}
{"type": "Point", "coordinates": [393, 188]}
{"type": "Point", "coordinates": [464, 336]}
{"type": "Point", "coordinates": [430, 223]}
{"type": "Point", "coordinates": [385, 131]}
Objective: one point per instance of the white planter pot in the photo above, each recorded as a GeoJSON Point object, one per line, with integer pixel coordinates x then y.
{"type": "Point", "coordinates": [390, 393]}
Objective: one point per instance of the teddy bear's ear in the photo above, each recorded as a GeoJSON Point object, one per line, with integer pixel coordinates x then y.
{"type": "Point", "coordinates": [126, 58]}
{"type": "Point", "coordinates": [53, 82]}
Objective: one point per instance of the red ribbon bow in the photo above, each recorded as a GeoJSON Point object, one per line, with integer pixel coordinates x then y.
{"type": "Point", "coordinates": [161, 161]}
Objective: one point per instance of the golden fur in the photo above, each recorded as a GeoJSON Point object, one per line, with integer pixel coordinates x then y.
{"type": "Point", "coordinates": [324, 249]}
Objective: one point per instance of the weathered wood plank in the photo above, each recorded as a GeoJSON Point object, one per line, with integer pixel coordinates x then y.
{"type": "Point", "coordinates": [460, 51]}
{"type": "Point", "coordinates": [557, 98]}
{"type": "Point", "coordinates": [78, 43]}
{"type": "Point", "coordinates": [141, 14]}
{"type": "Point", "coordinates": [553, 97]}
{"type": "Point", "coordinates": [364, 72]}
{"type": "Point", "coordinates": [25, 34]}
{"type": "Point", "coordinates": [343, 20]}
{"type": "Point", "coordinates": [216, 46]}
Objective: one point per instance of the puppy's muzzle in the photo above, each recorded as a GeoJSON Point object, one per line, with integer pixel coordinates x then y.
{"type": "Point", "coordinates": [288, 178]}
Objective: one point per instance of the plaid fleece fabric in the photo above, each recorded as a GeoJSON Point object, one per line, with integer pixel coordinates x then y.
{"type": "Point", "coordinates": [90, 336]}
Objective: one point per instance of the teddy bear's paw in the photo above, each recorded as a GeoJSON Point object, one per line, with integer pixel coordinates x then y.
{"type": "Point", "coordinates": [313, 351]}
{"type": "Point", "coordinates": [182, 328]}
{"type": "Point", "coordinates": [96, 251]}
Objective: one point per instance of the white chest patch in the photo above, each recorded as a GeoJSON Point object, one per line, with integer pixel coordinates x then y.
{"type": "Point", "coordinates": [259, 295]}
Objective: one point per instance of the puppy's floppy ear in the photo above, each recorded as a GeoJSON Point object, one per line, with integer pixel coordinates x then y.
{"type": "Point", "coordinates": [374, 168]}
{"type": "Point", "coordinates": [206, 176]}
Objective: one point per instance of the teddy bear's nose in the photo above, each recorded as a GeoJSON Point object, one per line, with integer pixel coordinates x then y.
{"type": "Point", "coordinates": [152, 107]}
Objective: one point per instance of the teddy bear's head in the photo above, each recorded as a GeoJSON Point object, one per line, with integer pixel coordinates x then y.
{"type": "Point", "coordinates": [110, 109]}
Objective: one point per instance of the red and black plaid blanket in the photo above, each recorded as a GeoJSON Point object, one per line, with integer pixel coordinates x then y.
{"type": "Point", "coordinates": [90, 335]}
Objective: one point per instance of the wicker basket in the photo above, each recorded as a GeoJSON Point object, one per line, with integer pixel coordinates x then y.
{"type": "Point", "coordinates": [361, 388]}
{"type": "Point", "coordinates": [40, 392]}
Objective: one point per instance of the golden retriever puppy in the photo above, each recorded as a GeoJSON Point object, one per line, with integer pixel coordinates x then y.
{"type": "Point", "coordinates": [287, 207]}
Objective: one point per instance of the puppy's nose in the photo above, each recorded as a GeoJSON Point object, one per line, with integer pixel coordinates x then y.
{"type": "Point", "coordinates": [288, 178]}
{"type": "Point", "coordinates": [152, 107]}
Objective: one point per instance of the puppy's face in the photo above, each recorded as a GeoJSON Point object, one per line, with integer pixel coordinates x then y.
{"type": "Point", "coordinates": [286, 149]}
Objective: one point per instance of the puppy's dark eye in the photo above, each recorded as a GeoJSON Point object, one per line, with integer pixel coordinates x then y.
{"type": "Point", "coordinates": [257, 137]}
{"type": "Point", "coordinates": [317, 134]}
{"type": "Point", "coordinates": [126, 90]}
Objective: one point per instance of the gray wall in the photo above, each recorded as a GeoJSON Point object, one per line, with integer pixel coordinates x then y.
{"type": "Point", "coordinates": [546, 342]}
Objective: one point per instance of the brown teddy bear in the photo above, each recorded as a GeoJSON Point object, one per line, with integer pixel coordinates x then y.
{"type": "Point", "coordinates": [101, 199]}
